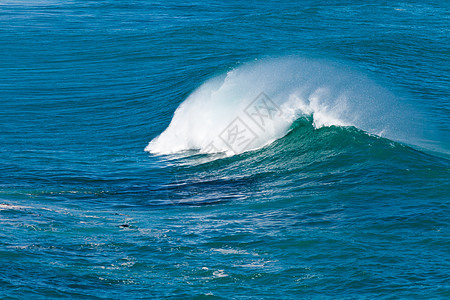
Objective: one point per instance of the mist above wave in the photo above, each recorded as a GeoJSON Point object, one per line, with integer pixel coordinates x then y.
{"type": "Point", "coordinates": [256, 103]}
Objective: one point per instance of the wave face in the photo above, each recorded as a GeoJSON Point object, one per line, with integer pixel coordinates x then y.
{"type": "Point", "coordinates": [252, 105]}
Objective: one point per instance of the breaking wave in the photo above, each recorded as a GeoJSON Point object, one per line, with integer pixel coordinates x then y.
{"type": "Point", "coordinates": [256, 103]}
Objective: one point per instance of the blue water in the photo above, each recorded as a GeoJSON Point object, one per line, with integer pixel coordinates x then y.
{"type": "Point", "coordinates": [341, 193]}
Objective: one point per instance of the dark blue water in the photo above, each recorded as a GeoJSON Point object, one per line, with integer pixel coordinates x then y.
{"type": "Point", "coordinates": [344, 195]}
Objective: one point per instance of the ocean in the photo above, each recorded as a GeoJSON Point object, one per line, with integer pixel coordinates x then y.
{"type": "Point", "coordinates": [224, 149]}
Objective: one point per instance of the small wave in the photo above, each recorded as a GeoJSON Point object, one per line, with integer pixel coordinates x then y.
{"type": "Point", "coordinates": [255, 104]}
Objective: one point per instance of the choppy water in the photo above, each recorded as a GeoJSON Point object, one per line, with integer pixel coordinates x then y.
{"type": "Point", "coordinates": [337, 187]}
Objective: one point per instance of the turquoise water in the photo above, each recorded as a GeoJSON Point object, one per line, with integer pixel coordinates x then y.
{"type": "Point", "coordinates": [337, 189]}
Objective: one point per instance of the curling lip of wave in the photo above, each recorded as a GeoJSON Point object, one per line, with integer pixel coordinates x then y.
{"type": "Point", "coordinates": [255, 104]}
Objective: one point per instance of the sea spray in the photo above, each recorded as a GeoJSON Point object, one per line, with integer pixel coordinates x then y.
{"type": "Point", "coordinates": [255, 104]}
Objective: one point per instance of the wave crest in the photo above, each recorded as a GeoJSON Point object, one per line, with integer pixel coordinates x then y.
{"type": "Point", "coordinates": [255, 104]}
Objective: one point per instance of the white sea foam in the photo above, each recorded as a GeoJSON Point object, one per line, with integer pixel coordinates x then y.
{"type": "Point", "coordinates": [256, 103]}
